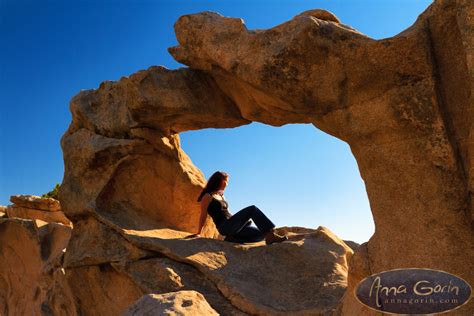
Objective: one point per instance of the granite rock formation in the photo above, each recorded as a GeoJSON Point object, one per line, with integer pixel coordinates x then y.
{"type": "Point", "coordinates": [235, 279]}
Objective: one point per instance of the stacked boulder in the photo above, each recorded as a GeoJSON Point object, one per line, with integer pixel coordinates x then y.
{"type": "Point", "coordinates": [35, 207]}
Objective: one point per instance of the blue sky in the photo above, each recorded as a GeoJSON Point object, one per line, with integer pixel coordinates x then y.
{"type": "Point", "coordinates": [296, 174]}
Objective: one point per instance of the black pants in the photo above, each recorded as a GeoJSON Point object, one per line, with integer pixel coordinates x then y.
{"type": "Point", "coordinates": [237, 228]}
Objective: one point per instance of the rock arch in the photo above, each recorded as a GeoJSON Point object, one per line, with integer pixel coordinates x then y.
{"type": "Point", "coordinates": [403, 104]}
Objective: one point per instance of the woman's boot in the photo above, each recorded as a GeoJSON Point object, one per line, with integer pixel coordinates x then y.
{"type": "Point", "coordinates": [271, 237]}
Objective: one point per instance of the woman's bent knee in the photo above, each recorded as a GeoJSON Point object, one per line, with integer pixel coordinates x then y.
{"type": "Point", "coordinates": [250, 208]}
{"type": "Point", "coordinates": [255, 208]}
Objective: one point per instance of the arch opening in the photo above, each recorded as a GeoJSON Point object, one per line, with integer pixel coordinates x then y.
{"type": "Point", "coordinates": [298, 174]}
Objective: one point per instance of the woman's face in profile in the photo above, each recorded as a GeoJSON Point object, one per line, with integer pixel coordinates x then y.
{"type": "Point", "coordinates": [224, 183]}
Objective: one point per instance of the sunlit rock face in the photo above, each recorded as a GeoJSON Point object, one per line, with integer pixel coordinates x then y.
{"type": "Point", "coordinates": [174, 303]}
{"type": "Point", "coordinates": [403, 104]}
{"type": "Point", "coordinates": [35, 207]}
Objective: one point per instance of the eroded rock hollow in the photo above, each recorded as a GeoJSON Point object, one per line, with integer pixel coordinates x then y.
{"type": "Point", "coordinates": [403, 104]}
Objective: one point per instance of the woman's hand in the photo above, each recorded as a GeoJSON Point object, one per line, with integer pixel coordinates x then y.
{"type": "Point", "coordinates": [192, 236]}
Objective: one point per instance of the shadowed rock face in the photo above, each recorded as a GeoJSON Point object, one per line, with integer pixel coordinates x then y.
{"type": "Point", "coordinates": [403, 104]}
{"type": "Point", "coordinates": [32, 281]}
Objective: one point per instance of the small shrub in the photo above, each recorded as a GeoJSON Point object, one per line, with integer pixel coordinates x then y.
{"type": "Point", "coordinates": [53, 193]}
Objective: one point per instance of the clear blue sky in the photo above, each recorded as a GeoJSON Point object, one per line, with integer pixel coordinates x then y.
{"type": "Point", "coordinates": [51, 50]}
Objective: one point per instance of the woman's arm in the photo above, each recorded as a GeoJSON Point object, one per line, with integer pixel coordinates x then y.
{"type": "Point", "coordinates": [202, 218]}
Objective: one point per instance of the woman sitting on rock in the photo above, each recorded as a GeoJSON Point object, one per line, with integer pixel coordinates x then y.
{"type": "Point", "coordinates": [235, 227]}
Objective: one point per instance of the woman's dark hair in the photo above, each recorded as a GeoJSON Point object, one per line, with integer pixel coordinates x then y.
{"type": "Point", "coordinates": [214, 183]}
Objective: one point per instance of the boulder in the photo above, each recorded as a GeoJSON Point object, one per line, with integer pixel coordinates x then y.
{"type": "Point", "coordinates": [174, 303]}
{"type": "Point", "coordinates": [36, 202]}
{"type": "Point", "coordinates": [140, 183]}
{"type": "Point", "coordinates": [32, 281]}
{"type": "Point", "coordinates": [37, 208]}
{"type": "Point", "coordinates": [101, 290]}
{"type": "Point", "coordinates": [29, 213]}
{"type": "Point", "coordinates": [162, 275]}
{"type": "Point", "coordinates": [250, 275]}
{"type": "Point", "coordinates": [93, 243]}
